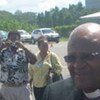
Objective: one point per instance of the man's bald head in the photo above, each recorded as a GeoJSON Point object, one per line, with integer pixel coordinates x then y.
{"type": "Point", "coordinates": [86, 35]}
{"type": "Point", "coordinates": [84, 56]}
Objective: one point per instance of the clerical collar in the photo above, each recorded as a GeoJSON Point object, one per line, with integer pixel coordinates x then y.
{"type": "Point", "coordinates": [94, 94]}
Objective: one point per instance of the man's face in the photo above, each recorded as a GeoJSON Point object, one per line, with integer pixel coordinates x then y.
{"type": "Point", "coordinates": [14, 38]}
{"type": "Point", "coordinates": [84, 64]}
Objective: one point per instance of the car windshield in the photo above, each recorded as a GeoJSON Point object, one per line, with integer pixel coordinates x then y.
{"type": "Point", "coordinates": [47, 31]}
{"type": "Point", "coordinates": [22, 32]}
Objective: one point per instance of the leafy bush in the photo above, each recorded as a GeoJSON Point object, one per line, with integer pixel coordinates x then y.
{"type": "Point", "coordinates": [65, 30]}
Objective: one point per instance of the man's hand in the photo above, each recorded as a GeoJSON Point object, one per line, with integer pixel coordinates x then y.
{"type": "Point", "coordinates": [29, 54]}
{"type": "Point", "coordinates": [20, 44]}
{"type": "Point", "coordinates": [5, 44]}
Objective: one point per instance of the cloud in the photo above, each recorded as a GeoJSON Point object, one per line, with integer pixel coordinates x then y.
{"type": "Point", "coordinates": [48, 4]}
{"type": "Point", "coordinates": [3, 2]}
{"type": "Point", "coordinates": [34, 5]}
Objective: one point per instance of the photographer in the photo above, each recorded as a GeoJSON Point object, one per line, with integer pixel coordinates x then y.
{"type": "Point", "coordinates": [14, 59]}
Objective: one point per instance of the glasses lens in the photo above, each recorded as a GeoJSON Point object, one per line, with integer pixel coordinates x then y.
{"type": "Point", "coordinates": [84, 56]}
{"type": "Point", "coordinates": [71, 58]}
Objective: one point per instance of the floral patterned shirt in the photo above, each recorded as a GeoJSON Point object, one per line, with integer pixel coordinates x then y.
{"type": "Point", "coordinates": [14, 67]}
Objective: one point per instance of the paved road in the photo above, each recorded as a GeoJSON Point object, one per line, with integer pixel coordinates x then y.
{"type": "Point", "coordinates": [59, 49]}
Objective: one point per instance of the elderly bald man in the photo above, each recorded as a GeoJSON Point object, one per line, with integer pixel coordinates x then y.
{"type": "Point", "coordinates": [83, 61]}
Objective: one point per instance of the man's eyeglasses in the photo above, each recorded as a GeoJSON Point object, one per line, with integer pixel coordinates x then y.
{"type": "Point", "coordinates": [84, 57]}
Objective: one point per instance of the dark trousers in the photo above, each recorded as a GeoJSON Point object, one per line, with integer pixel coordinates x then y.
{"type": "Point", "coordinates": [38, 92]}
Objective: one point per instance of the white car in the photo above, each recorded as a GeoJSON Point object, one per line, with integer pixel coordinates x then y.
{"type": "Point", "coordinates": [3, 35]}
{"type": "Point", "coordinates": [50, 34]}
{"type": "Point", "coordinates": [25, 36]}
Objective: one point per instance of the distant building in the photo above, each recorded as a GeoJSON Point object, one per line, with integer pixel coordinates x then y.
{"type": "Point", "coordinates": [94, 17]}
{"type": "Point", "coordinates": [92, 4]}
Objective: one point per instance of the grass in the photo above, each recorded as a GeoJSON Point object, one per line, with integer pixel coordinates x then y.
{"type": "Point", "coordinates": [63, 39]}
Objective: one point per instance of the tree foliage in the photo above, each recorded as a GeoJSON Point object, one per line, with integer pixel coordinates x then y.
{"type": "Point", "coordinates": [62, 20]}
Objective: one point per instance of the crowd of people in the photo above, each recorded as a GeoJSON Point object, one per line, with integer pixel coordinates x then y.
{"type": "Point", "coordinates": [23, 72]}
{"type": "Point", "coordinates": [19, 79]}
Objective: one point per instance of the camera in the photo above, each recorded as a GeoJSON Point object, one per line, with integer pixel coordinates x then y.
{"type": "Point", "coordinates": [13, 46]}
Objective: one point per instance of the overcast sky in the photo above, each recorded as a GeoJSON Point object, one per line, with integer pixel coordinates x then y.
{"type": "Point", "coordinates": [35, 5]}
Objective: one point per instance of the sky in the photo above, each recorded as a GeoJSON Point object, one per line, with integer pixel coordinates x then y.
{"type": "Point", "coordinates": [35, 5]}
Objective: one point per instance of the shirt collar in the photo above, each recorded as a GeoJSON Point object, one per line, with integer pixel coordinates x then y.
{"type": "Point", "coordinates": [94, 94]}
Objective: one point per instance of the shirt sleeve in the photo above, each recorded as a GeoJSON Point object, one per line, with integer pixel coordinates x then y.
{"type": "Point", "coordinates": [56, 63]}
{"type": "Point", "coordinates": [30, 71]}
{"type": "Point", "coordinates": [1, 57]}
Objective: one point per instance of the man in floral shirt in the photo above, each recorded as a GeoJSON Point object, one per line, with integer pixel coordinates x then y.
{"type": "Point", "coordinates": [14, 59]}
